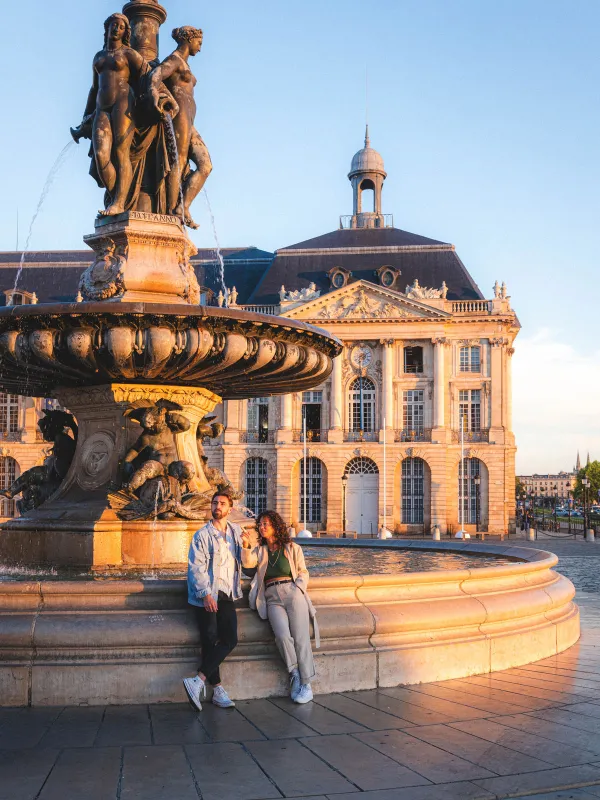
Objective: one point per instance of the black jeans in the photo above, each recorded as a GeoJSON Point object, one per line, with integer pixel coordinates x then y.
{"type": "Point", "coordinates": [218, 636]}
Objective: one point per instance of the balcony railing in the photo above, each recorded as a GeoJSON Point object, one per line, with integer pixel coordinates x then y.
{"type": "Point", "coordinates": [311, 436]}
{"type": "Point", "coordinates": [11, 436]}
{"type": "Point", "coordinates": [258, 309]}
{"type": "Point", "coordinates": [361, 436]}
{"type": "Point", "coordinates": [472, 307]}
{"type": "Point", "coordinates": [423, 435]}
{"type": "Point", "coordinates": [379, 221]}
{"type": "Point", "coordinates": [257, 437]}
{"type": "Point", "coordinates": [482, 435]}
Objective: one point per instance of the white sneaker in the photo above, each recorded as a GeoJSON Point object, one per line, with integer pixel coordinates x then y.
{"type": "Point", "coordinates": [196, 691]}
{"type": "Point", "coordinates": [305, 694]}
{"type": "Point", "coordinates": [294, 683]}
{"type": "Point", "coordinates": [221, 698]}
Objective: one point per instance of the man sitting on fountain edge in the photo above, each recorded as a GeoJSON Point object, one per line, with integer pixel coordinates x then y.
{"type": "Point", "coordinates": [214, 584]}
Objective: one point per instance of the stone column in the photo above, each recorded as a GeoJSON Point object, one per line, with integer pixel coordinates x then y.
{"type": "Point", "coordinates": [145, 17]}
{"type": "Point", "coordinates": [285, 429]}
{"type": "Point", "coordinates": [336, 409]}
{"type": "Point", "coordinates": [231, 420]}
{"type": "Point", "coordinates": [497, 401]}
{"type": "Point", "coordinates": [439, 382]}
{"type": "Point", "coordinates": [388, 383]}
{"type": "Point", "coordinates": [509, 354]}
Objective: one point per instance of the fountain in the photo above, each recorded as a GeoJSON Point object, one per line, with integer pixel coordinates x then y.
{"type": "Point", "coordinates": [140, 366]}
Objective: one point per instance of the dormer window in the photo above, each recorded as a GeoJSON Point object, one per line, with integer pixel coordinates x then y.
{"type": "Point", "coordinates": [387, 276]}
{"type": "Point", "coordinates": [20, 298]}
{"type": "Point", "coordinates": [339, 277]}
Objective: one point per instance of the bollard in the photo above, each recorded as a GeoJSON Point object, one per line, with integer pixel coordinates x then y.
{"type": "Point", "coordinates": [531, 534]}
{"type": "Point", "coordinates": [436, 533]}
{"type": "Point", "coordinates": [589, 535]}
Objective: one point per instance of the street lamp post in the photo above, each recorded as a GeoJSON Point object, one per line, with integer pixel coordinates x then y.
{"type": "Point", "coordinates": [477, 482]}
{"type": "Point", "coordinates": [344, 484]}
{"type": "Point", "coordinates": [585, 482]}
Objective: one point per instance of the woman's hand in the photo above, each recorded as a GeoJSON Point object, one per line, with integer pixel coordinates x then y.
{"type": "Point", "coordinates": [246, 543]}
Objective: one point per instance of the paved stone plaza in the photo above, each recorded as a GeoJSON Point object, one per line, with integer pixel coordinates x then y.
{"type": "Point", "coordinates": [530, 731]}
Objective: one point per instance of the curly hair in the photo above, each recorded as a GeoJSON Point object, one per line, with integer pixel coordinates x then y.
{"type": "Point", "coordinates": [282, 536]}
{"type": "Point", "coordinates": [186, 33]}
{"type": "Point", "coordinates": [126, 35]}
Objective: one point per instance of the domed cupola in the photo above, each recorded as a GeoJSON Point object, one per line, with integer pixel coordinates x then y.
{"type": "Point", "coordinates": [367, 173]}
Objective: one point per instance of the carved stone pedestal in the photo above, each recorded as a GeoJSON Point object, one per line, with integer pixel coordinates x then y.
{"type": "Point", "coordinates": [140, 257]}
{"type": "Point", "coordinates": [77, 527]}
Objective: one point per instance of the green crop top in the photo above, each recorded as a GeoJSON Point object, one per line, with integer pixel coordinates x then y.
{"type": "Point", "coordinates": [278, 565]}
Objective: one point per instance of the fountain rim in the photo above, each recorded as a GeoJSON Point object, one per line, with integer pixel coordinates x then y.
{"type": "Point", "coordinates": [529, 560]}
{"type": "Point", "coordinates": [180, 311]}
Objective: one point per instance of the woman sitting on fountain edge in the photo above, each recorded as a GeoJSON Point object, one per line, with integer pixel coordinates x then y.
{"type": "Point", "coordinates": [278, 593]}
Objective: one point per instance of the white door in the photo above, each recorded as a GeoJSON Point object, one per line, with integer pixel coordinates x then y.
{"type": "Point", "coordinates": [362, 504]}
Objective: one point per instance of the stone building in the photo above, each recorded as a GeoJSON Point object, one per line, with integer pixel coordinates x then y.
{"type": "Point", "coordinates": [560, 485]}
{"type": "Point", "coordinates": [424, 355]}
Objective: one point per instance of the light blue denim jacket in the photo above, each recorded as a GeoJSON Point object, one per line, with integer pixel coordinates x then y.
{"type": "Point", "coordinates": [203, 568]}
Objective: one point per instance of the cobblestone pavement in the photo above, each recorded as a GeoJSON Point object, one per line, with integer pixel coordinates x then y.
{"type": "Point", "coordinates": [531, 731]}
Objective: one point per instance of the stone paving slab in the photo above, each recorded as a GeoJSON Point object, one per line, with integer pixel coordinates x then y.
{"type": "Point", "coordinates": [532, 731]}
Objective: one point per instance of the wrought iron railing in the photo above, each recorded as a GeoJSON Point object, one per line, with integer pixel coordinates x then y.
{"type": "Point", "coordinates": [361, 436]}
{"type": "Point", "coordinates": [311, 436]}
{"type": "Point", "coordinates": [422, 435]}
{"type": "Point", "coordinates": [257, 437]}
{"type": "Point", "coordinates": [482, 435]}
{"type": "Point", "coordinates": [388, 221]}
{"type": "Point", "coordinates": [11, 436]}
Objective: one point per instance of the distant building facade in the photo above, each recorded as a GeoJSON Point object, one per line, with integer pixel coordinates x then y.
{"type": "Point", "coordinates": [560, 485]}
{"type": "Point", "coordinates": [423, 380]}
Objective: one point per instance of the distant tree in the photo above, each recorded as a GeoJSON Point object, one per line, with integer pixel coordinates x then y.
{"type": "Point", "coordinates": [592, 473]}
{"type": "Point", "coordinates": [519, 487]}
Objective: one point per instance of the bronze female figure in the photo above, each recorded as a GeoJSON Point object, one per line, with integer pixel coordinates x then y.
{"type": "Point", "coordinates": [180, 81]}
{"type": "Point", "coordinates": [108, 116]}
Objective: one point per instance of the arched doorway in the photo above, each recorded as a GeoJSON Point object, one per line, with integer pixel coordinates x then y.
{"type": "Point", "coordinates": [9, 471]}
{"type": "Point", "coordinates": [362, 496]}
{"type": "Point", "coordinates": [256, 485]}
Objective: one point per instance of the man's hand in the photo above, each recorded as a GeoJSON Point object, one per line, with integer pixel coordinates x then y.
{"type": "Point", "coordinates": [210, 604]}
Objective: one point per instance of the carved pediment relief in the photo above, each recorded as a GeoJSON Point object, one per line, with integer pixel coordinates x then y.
{"type": "Point", "coordinates": [363, 301]}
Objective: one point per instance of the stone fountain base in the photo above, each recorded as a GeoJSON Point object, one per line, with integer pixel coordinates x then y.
{"type": "Point", "coordinates": [79, 526]}
{"type": "Point", "coordinates": [97, 642]}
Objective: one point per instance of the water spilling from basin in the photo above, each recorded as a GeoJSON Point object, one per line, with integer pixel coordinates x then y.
{"type": "Point", "coordinates": [221, 262]}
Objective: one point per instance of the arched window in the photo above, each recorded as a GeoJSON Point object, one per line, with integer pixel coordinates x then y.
{"type": "Point", "coordinates": [314, 495]}
{"type": "Point", "coordinates": [413, 490]}
{"type": "Point", "coordinates": [361, 412]}
{"type": "Point", "coordinates": [469, 485]}
{"type": "Point", "coordinates": [256, 485]}
{"type": "Point", "coordinates": [8, 475]}
{"type": "Point", "coordinates": [9, 415]}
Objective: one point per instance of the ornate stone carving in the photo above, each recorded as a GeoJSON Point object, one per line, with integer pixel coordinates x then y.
{"type": "Point", "coordinates": [95, 460]}
{"type": "Point", "coordinates": [418, 292]}
{"type": "Point", "coordinates": [311, 293]}
{"type": "Point", "coordinates": [202, 399]}
{"type": "Point", "coordinates": [440, 340]}
{"type": "Point", "coordinates": [104, 278]}
{"type": "Point", "coordinates": [361, 306]}
{"type": "Point", "coordinates": [498, 341]}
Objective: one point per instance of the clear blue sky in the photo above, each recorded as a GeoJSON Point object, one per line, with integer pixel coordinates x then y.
{"type": "Point", "coordinates": [487, 115]}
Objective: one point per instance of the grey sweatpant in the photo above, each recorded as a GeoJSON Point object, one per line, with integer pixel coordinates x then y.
{"type": "Point", "coordinates": [290, 621]}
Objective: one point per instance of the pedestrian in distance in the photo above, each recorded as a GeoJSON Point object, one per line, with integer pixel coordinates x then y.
{"type": "Point", "coordinates": [279, 593]}
{"type": "Point", "coordinates": [214, 584]}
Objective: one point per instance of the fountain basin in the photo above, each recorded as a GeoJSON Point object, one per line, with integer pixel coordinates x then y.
{"type": "Point", "coordinates": [126, 641]}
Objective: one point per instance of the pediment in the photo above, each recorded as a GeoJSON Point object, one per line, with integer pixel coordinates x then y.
{"type": "Point", "coordinates": [361, 301]}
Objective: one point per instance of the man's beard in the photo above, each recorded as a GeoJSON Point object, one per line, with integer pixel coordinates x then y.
{"type": "Point", "coordinates": [218, 514]}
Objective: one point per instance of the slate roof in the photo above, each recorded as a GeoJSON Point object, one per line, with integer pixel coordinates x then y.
{"type": "Point", "coordinates": [54, 275]}
{"type": "Point", "coordinates": [417, 257]}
